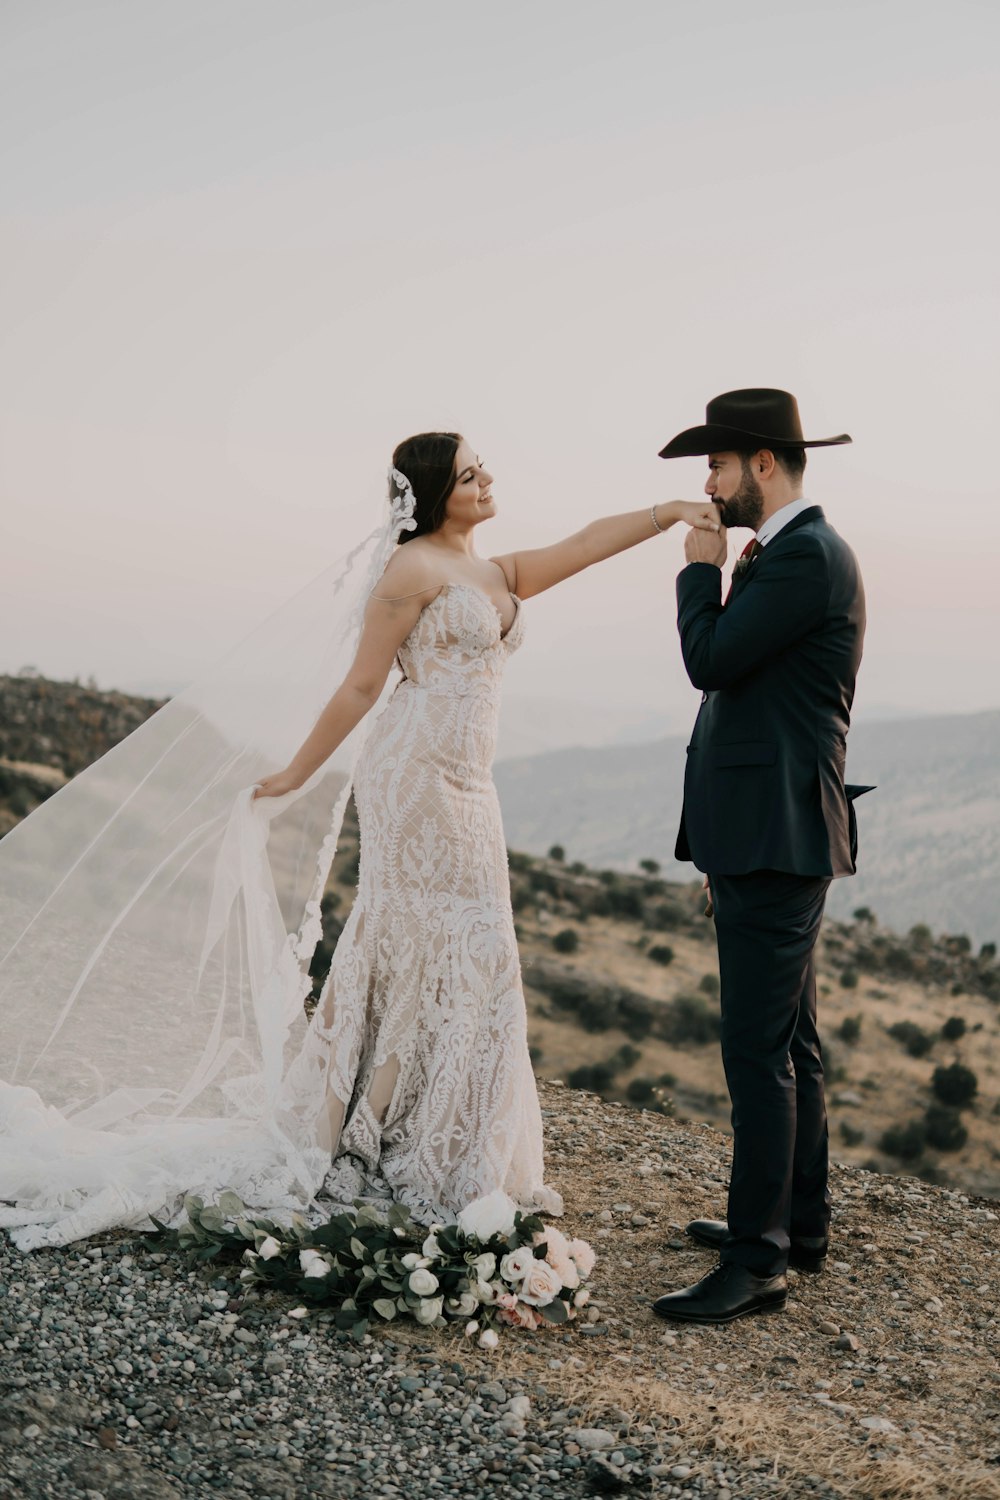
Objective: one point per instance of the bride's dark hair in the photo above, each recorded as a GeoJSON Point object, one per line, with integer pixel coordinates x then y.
{"type": "Point", "coordinates": [428, 461]}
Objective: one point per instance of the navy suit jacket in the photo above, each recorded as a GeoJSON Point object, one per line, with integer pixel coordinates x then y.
{"type": "Point", "coordinates": [764, 781]}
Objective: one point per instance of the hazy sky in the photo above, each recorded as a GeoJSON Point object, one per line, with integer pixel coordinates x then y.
{"type": "Point", "coordinates": [248, 246]}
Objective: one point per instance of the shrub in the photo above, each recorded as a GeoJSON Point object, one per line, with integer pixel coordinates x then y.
{"type": "Point", "coordinates": [651, 866]}
{"type": "Point", "coordinates": [944, 1128]}
{"type": "Point", "coordinates": [921, 936]}
{"type": "Point", "coordinates": [667, 1080]}
{"type": "Point", "coordinates": [661, 954]}
{"type": "Point", "coordinates": [914, 1038]}
{"type": "Point", "coordinates": [953, 1028]}
{"type": "Point", "coordinates": [689, 1019]}
{"type": "Point", "coordinates": [566, 941]}
{"type": "Point", "coordinates": [598, 1077]}
{"type": "Point", "coordinates": [640, 1091]}
{"type": "Point", "coordinates": [627, 1056]}
{"type": "Point", "coordinates": [865, 914]}
{"type": "Point", "coordinates": [849, 979]}
{"type": "Point", "coordinates": [544, 880]}
{"type": "Point", "coordinates": [956, 1085]}
{"type": "Point", "coordinates": [904, 1141]}
{"type": "Point", "coordinates": [850, 1134]}
{"type": "Point", "coordinates": [624, 901]}
{"type": "Point", "coordinates": [957, 943]}
{"type": "Point", "coordinates": [557, 852]}
{"type": "Point", "coordinates": [850, 1029]}
{"type": "Point", "coordinates": [988, 951]}
{"type": "Point", "coordinates": [535, 1056]}
{"type": "Point", "coordinates": [709, 985]}
{"type": "Point", "coordinates": [666, 914]}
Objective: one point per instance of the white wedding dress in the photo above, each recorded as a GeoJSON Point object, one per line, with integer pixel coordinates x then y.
{"type": "Point", "coordinates": [421, 1027]}
{"type": "Point", "coordinates": [415, 1062]}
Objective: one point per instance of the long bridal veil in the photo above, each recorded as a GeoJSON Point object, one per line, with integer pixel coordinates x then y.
{"type": "Point", "coordinates": [156, 928]}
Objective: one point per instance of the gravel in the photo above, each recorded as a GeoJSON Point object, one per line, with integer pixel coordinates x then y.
{"type": "Point", "coordinates": [128, 1375]}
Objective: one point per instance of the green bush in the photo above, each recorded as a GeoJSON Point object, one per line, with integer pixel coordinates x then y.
{"type": "Point", "coordinates": [914, 1038]}
{"type": "Point", "coordinates": [687, 1019]}
{"type": "Point", "coordinates": [944, 1128]}
{"type": "Point", "coordinates": [557, 852]}
{"type": "Point", "coordinates": [921, 936]}
{"type": "Point", "coordinates": [849, 1029]}
{"type": "Point", "coordinates": [640, 1091]}
{"type": "Point", "coordinates": [953, 1029]}
{"type": "Point", "coordinates": [709, 985]}
{"type": "Point", "coordinates": [666, 914]}
{"type": "Point", "coordinates": [627, 1056]}
{"type": "Point", "coordinates": [850, 1134]}
{"type": "Point", "coordinates": [651, 866]}
{"type": "Point", "coordinates": [849, 979]}
{"type": "Point", "coordinates": [661, 954]}
{"type": "Point", "coordinates": [905, 1141]}
{"type": "Point", "coordinates": [956, 1085]}
{"type": "Point", "coordinates": [566, 941]}
{"type": "Point", "coordinates": [597, 1077]}
{"type": "Point", "coordinates": [988, 951]}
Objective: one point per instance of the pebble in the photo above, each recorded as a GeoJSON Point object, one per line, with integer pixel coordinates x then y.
{"type": "Point", "coordinates": [590, 1439]}
{"type": "Point", "coordinates": [847, 1341]}
{"type": "Point", "coordinates": [830, 1329]}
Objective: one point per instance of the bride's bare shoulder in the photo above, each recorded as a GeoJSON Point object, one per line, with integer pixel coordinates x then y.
{"type": "Point", "coordinates": [411, 570]}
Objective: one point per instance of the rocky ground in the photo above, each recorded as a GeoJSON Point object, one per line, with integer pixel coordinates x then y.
{"type": "Point", "coordinates": [131, 1376]}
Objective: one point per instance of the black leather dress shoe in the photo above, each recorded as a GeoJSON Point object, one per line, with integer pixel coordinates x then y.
{"type": "Point", "coordinates": [803, 1254]}
{"type": "Point", "coordinates": [726, 1293]}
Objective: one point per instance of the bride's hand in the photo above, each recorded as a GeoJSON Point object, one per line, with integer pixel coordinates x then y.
{"type": "Point", "coordinates": [700, 514]}
{"type": "Point", "coordinates": [277, 785]}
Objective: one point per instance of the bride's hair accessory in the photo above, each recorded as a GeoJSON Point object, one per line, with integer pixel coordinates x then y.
{"type": "Point", "coordinates": [402, 501]}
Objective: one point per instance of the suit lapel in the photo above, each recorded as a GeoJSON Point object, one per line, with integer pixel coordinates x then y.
{"type": "Point", "coordinates": [814, 513]}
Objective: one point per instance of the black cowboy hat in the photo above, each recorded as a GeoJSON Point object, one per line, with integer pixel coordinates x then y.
{"type": "Point", "coordinates": [740, 420]}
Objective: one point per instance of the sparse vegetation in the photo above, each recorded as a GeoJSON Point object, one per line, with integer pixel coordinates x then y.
{"type": "Point", "coordinates": [906, 1142]}
{"type": "Point", "coordinates": [849, 1030]}
{"type": "Point", "coordinates": [661, 953]}
{"type": "Point", "coordinates": [944, 1128]}
{"type": "Point", "coordinates": [566, 941]}
{"type": "Point", "coordinates": [953, 1029]}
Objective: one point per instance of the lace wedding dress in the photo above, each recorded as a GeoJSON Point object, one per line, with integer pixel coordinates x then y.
{"type": "Point", "coordinates": [421, 1026]}
{"type": "Point", "coordinates": [154, 1040]}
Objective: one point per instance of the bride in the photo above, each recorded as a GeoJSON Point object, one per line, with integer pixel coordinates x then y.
{"type": "Point", "coordinates": [154, 1035]}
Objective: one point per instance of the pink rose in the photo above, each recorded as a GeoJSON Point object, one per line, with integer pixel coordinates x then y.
{"type": "Point", "coordinates": [520, 1316]}
{"type": "Point", "coordinates": [584, 1256]}
{"type": "Point", "coordinates": [506, 1301]}
{"type": "Point", "coordinates": [540, 1285]}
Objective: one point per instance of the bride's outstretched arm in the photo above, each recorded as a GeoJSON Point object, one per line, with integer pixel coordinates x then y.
{"type": "Point", "coordinates": [389, 617]}
{"type": "Point", "coordinates": [534, 571]}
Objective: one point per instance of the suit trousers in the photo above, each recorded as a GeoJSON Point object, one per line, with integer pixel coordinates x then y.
{"type": "Point", "coordinates": [767, 924]}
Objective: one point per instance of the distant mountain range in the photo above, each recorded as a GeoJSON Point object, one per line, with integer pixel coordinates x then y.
{"type": "Point", "coordinates": [930, 833]}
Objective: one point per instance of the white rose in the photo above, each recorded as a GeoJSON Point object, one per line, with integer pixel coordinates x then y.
{"type": "Point", "coordinates": [247, 1275]}
{"type": "Point", "coordinates": [411, 1261]}
{"type": "Point", "coordinates": [485, 1291]}
{"type": "Point", "coordinates": [316, 1268]}
{"type": "Point", "coordinates": [269, 1248]}
{"type": "Point", "coordinates": [463, 1306]}
{"type": "Point", "coordinates": [423, 1282]}
{"type": "Point", "coordinates": [471, 1328]}
{"type": "Point", "coordinates": [429, 1309]}
{"type": "Point", "coordinates": [582, 1297]}
{"type": "Point", "coordinates": [308, 1258]}
{"type": "Point", "coordinates": [489, 1338]}
{"type": "Point", "coordinates": [484, 1266]}
{"type": "Point", "coordinates": [515, 1266]}
{"type": "Point", "coordinates": [431, 1248]}
{"type": "Point", "coordinates": [488, 1216]}
{"type": "Point", "coordinates": [540, 1285]}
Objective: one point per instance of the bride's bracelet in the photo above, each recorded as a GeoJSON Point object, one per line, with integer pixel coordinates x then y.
{"type": "Point", "coordinates": [656, 524]}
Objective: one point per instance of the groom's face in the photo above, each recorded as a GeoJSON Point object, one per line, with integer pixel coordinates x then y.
{"type": "Point", "coordinates": [733, 486]}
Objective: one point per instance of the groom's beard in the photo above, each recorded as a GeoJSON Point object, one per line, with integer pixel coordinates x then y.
{"type": "Point", "coordinates": [746, 508]}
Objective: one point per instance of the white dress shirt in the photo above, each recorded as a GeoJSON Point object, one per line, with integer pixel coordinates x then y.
{"type": "Point", "coordinates": [781, 518]}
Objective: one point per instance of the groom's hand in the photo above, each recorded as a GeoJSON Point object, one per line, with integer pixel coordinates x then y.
{"type": "Point", "coordinates": [706, 546]}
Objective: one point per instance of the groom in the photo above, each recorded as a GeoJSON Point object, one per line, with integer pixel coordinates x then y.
{"type": "Point", "coordinates": [767, 815]}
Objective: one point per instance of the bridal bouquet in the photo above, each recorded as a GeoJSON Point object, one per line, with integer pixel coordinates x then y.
{"type": "Point", "coordinates": [494, 1266]}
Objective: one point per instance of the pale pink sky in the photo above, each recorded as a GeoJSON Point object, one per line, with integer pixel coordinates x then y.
{"type": "Point", "coordinates": [249, 246]}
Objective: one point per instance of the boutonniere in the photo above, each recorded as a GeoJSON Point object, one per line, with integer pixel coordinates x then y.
{"type": "Point", "coordinates": [746, 557]}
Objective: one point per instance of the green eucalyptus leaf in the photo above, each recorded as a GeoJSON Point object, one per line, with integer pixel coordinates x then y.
{"type": "Point", "coordinates": [230, 1204]}
{"type": "Point", "coordinates": [555, 1311]}
{"type": "Point", "coordinates": [385, 1307]}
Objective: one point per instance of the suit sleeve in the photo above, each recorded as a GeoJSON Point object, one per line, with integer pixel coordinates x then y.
{"type": "Point", "coordinates": [786, 599]}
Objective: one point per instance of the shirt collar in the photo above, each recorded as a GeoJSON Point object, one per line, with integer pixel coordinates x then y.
{"type": "Point", "coordinates": [781, 518]}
